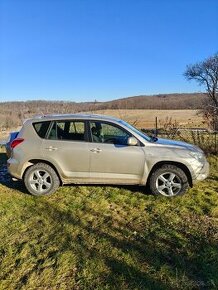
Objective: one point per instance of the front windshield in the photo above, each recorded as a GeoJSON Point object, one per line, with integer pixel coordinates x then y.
{"type": "Point", "coordinates": [140, 133]}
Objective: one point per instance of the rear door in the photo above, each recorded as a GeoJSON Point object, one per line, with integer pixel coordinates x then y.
{"type": "Point", "coordinates": [66, 147]}
{"type": "Point", "coordinates": [111, 159]}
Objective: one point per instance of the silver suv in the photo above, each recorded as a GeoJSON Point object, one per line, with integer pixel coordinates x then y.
{"type": "Point", "coordinates": [59, 149]}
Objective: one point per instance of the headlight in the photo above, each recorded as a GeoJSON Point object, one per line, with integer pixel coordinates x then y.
{"type": "Point", "coordinates": [198, 156]}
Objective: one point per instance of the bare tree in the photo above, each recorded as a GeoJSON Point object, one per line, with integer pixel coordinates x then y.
{"type": "Point", "coordinates": [206, 74]}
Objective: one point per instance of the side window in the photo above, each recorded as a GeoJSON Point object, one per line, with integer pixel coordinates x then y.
{"type": "Point", "coordinates": [108, 133]}
{"type": "Point", "coordinates": [41, 128]}
{"type": "Point", "coordinates": [67, 130]}
{"type": "Point", "coordinates": [77, 127]}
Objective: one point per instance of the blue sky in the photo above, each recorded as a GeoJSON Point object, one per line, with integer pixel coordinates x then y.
{"type": "Point", "coordinates": [82, 50]}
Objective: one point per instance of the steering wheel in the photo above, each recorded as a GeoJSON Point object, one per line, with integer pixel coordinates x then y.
{"type": "Point", "coordinates": [110, 140]}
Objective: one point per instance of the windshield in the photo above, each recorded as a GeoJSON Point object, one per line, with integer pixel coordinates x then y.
{"type": "Point", "coordinates": [140, 133]}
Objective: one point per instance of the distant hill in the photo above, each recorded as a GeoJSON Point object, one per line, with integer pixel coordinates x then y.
{"type": "Point", "coordinates": [161, 101]}
{"type": "Point", "coordinates": [12, 113]}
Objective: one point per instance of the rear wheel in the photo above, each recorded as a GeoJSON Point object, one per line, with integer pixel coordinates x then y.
{"type": "Point", "coordinates": [169, 180]}
{"type": "Point", "coordinates": [41, 179]}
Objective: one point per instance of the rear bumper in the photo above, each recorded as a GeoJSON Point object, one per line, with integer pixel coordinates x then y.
{"type": "Point", "coordinates": [14, 168]}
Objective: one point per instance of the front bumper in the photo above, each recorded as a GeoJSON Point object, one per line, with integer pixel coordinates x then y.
{"type": "Point", "coordinates": [202, 172]}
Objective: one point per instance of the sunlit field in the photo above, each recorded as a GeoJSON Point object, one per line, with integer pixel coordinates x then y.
{"type": "Point", "coordinates": [146, 118]}
{"type": "Point", "coordinates": [108, 237]}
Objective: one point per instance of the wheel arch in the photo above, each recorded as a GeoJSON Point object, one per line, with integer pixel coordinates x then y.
{"type": "Point", "coordinates": [35, 161]}
{"type": "Point", "coordinates": [178, 164]}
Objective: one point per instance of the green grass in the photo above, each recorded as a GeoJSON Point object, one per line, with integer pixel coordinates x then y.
{"type": "Point", "coordinates": [96, 237]}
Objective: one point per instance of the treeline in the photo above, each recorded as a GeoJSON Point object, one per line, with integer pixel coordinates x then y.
{"type": "Point", "coordinates": [12, 114]}
{"type": "Point", "coordinates": [159, 102]}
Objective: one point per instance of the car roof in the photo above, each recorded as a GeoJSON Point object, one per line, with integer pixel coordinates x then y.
{"type": "Point", "coordinates": [81, 116]}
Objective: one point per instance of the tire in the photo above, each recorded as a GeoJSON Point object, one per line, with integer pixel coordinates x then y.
{"type": "Point", "coordinates": [41, 179]}
{"type": "Point", "coordinates": [168, 180]}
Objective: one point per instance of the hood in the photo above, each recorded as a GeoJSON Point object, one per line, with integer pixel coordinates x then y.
{"type": "Point", "coordinates": [176, 143]}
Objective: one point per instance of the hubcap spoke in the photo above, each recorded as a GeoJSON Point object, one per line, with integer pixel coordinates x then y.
{"type": "Point", "coordinates": [40, 188]}
{"type": "Point", "coordinates": [170, 191]}
{"type": "Point", "coordinates": [161, 187]}
{"type": "Point", "coordinates": [172, 176]}
{"type": "Point", "coordinates": [162, 178]}
{"type": "Point", "coordinates": [37, 174]}
{"type": "Point", "coordinates": [46, 175]}
{"type": "Point", "coordinates": [176, 185]}
{"type": "Point", "coordinates": [34, 181]}
{"type": "Point", "coordinates": [47, 184]}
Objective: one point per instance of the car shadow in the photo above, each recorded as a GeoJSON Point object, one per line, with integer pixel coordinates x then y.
{"type": "Point", "coordinates": [150, 247]}
{"type": "Point", "coordinates": [133, 188]}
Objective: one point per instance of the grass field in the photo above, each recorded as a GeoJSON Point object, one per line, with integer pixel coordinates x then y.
{"type": "Point", "coordinates": [95, 237]}
{"type": "Point", "coordinates": [146, 118]}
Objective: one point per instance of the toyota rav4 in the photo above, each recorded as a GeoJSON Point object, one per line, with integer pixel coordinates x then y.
{"type": "Point", "coordinates": [91, 149]}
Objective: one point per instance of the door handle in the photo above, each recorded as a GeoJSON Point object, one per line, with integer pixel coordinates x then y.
{"type": "Point", "coordinates": [51, 148]}
{"type": "Point", "coordinates": [96, 150]}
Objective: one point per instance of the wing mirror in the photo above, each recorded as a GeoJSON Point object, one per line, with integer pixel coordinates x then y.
{"type": "Point", "coordinates": [132, 141]}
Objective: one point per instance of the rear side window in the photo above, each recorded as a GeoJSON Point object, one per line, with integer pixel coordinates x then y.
{"type": "Point", "coordinates": [41, 128]}
{"type": "Point", "coordinates": [67, 130]}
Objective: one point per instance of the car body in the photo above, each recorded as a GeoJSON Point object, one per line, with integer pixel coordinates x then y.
{"type": "Point", "coordinates": [96, 149]}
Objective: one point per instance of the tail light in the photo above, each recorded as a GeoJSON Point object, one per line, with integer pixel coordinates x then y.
{"type": "Point", "coordinates": [16, 142]}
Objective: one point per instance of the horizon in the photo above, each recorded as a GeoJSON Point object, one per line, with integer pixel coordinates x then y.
{"type": "Point", "coordinates": [96, 101]}
{"type": "Point", "coordinates": [82, 51]}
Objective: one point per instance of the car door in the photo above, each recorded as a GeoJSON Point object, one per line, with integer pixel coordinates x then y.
{"type": "Point", "coordinates": [111, 159]}
{"type": "Point", "coordinates": [67, 148]}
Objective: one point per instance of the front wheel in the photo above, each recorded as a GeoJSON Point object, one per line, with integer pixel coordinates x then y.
{"type": "Point", "coordinates": [169, 180]}
{"type": "Point", "coordinates": [41, 179]}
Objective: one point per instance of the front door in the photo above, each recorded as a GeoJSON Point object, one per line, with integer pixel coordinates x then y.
{"type": "Point", "coordinates": [111, 159]}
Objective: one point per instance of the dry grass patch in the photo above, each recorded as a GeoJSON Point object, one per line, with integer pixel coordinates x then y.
{"type": "Point", "coordinates": [146, 118]}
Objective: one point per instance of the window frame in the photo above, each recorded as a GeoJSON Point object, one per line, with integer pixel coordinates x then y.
{"type": "Point", "coordinates": [40, 122]}
{"type": "Point", "coordinates": [112, 124]}
{"type": "Point", "coordinates": [86, 138]}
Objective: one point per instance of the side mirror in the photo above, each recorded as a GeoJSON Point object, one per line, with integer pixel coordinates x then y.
{"type": "Point", "coordinates": [132, 141]}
